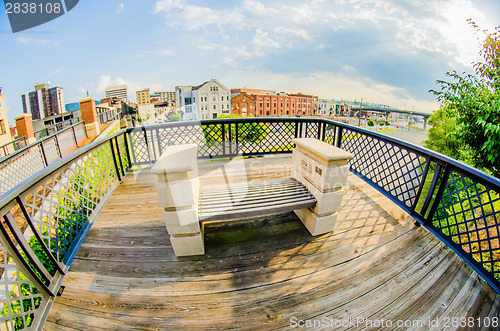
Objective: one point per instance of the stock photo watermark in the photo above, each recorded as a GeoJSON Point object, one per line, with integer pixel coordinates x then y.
{"type": "Point", "coordinates": [445, 322]}
{"type": "Point", "coordinates": [26, 14]}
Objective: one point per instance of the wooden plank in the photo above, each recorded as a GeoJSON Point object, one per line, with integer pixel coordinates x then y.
{"type": "Point", "coordinates": [260, 273]}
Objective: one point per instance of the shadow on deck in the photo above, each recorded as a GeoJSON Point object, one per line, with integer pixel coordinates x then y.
{"type": "Point", "coordinates": [266, 272]}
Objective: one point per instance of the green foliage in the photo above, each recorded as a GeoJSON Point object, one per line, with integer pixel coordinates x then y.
{"type": "Point", "coordinates": [474, 101]}
{"type": "Point", "coordinates": [387, 123]}
{"type": "Point", "coordinates": [16, 295]}
{"type": "Point", "coordinates": [370, 122]}
{"type": "Point", "coordinates": [247, 132]}
{"type": "Point", "coordinates": [442, 134]}
{"type": "Point", "coordinates": [174, 117]}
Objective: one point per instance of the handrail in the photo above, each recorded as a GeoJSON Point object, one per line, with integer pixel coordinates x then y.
{"type": "Point", "coordinates": [59, 203]}
{"type": "Point", "coordinates": [13, 142]}
{"type": "Point", "coordinates": [26, 161]}
{"type": "Point", "coordinates": [459, 204]}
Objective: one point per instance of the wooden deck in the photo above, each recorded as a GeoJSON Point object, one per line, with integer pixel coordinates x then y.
{"type": "Point", "coordinates": [266, 273]}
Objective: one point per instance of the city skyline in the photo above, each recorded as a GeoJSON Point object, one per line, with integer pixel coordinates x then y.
{"type": "Point", "coordinates": [384, 51]}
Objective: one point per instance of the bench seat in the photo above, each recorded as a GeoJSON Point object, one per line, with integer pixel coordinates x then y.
{"type": "Point", "coordinates": [253, 199]}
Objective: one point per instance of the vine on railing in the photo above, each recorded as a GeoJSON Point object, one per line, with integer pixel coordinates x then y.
{"type": "Point", "coordinates": [48, 222]}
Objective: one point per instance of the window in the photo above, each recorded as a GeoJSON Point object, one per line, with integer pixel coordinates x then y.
{"type": "Point", "coordinates": [215, 106]}
{"type": "Point", "coordinates": [2, 127]}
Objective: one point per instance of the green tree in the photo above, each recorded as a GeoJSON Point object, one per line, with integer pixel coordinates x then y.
{"type": "Point", "coordinates": [370, 122]}
{"type": "Point", "coordinates": [443, 133]}
{"type": "Point", "coordinates": [253, 132]}
{"type": "Point", "coordinates": [474, 102]}
{"type": "Point", "coordinates": [174, 117]}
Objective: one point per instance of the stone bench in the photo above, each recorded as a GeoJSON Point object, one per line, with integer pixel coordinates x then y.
{"type": "Point", "coordinates": [314, 193]}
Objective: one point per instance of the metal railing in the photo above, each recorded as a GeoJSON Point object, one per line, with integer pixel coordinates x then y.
{"type": "Point", "coordinates": [48, 130]}
{"type": "Point", "coordinates": [46, 218]}
{"type": "Point", "coordinates": [108, 116]}
{"type": "Point", "coordinates": [27, 161]}
{"type": "Point", "coordinates": [12, 146]}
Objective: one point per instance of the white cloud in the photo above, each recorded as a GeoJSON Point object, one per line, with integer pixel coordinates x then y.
{"type": "Point", "coordinates": [97, 88]}
{"type": "Point", "coordinates": [120, 8]}
{"type": "Point", "coordinates": [33, 41]}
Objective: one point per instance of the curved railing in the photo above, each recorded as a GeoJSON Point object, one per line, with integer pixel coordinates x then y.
{"type": "Point", "coordinates": [24, 162]}
{"type": "Point", "coordinates": [46, 217]}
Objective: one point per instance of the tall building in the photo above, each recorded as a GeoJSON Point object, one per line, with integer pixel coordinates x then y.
{"type": "Point", "coordinates": [143, 97]}
{"type": "Point", "coordinates": [5, 137]}
{"type": "Point", "coordinates": [119, 91]}
{"type": "Point", "coordinates": [44, 101]}
{"type": "Point", "coordinates": [205, 101]}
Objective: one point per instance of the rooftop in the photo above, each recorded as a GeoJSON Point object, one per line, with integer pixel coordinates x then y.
{"type": "Point", "coordinates": [266, 272]}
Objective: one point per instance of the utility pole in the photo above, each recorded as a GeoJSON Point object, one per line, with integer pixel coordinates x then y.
{"type": "Point", "coordinates": [359, 114]}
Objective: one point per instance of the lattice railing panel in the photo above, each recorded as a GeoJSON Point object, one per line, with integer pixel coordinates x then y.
{"type": "Point", "coordinates": [311, 130]}
{"type": "Point", "coordinates": [80, 132]}
{"type": "Point", "coordinates": [61, 205]}
{"type": "Point", "coordinates": [329, 134]}
{"type": "Point", "coordinates": [66, 141]}
{"type": "Point", "coordinates": [469, 215]}
{"type": "Point", "coordinates": [396, 170]}
{"type": "Point", "coordinates": [51, 150]}
{"type": "Point", "coordinates": [122, 145]}
{"type": "Point", "coordinates": [139, 146]}
{"type": "Point", "coordinates": [19, 299]}
{"type": "Point", "coordinates": [19, 167]}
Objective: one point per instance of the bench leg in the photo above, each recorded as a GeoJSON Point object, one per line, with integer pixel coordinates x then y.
{"type": "Point", "coordinates": [188, 245]}
{"type": "Point", "coordinates": [316, 224]}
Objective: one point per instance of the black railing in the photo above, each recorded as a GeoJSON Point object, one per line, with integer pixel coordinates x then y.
{"type": "Point", "coordinates": [12, 146]}
{"type": "Point", "coordinates": [459, 204]}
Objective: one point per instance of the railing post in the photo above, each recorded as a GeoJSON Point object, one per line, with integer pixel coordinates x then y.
{"type": "Point", "coordinates": [118, 175]}
{"type": "Point", "coordinates": [237, 138]}
{"type": "Point", "coordinates": [338, 140]}
{"type": "Point", "coordinates": [74, 135]}
{"type": "Point", "coordinates": [119, 156]}
{"type": "Point", "coordinates": [230, 140]}
{"type": "Point", "coordinates": [43, 153]}
{"type": "Point", "coordinates": [125, 142]}
{"type": "Point", "coordinates": [58, 146]}
{"type": "Point", "coordinates": [223, 139]}
{"type": "Point", "coordinates": [439, 193]}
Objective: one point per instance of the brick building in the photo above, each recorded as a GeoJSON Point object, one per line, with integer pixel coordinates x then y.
{"type": "Point", "coordinates": [270, 103]}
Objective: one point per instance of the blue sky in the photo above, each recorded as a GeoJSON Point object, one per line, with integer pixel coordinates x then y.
{"type": "Point", "coordinates": [384, 51]}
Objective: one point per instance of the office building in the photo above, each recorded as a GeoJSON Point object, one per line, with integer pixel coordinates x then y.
{"type": "Point", "coordinates": [119, 91]}
{"type": "Point", "coordinates": [143, 97]}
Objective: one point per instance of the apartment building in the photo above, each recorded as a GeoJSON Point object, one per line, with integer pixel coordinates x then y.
{"type": "Point", "coordinates": [143, 97]}
{"type": "Point", "coordinates": [270, 103]}
{"type": "Point", "coordinates": [205, 101]}
{"type": "Point", "coordinates": [43, 102]}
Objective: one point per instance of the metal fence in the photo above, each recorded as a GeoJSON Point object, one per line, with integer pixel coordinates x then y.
{"type": "Point", "coordinates": [52, 211]}
{"type": "Point", "coordinates": [48, 130]}
{"type": "Point", "coordinates": [27, 161]}
{"type": "Point", "coordinates": [12, 146]}
{"type": "Point", "coordinates": [108, 116]}
{"type": "Point", "coordinates": [456, 202]}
